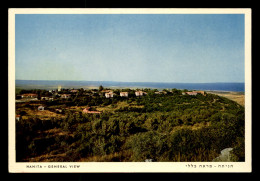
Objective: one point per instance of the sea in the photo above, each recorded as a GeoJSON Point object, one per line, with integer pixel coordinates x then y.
{"type": "Point", "coordinates": [53, 84]}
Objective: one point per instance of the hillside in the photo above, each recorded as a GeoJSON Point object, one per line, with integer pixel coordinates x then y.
{"type": "Point", "coordinates": [162, 127]}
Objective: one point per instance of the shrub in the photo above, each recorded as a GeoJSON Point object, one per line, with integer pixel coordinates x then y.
{"type": "Point", "coordinates": [148, 145]}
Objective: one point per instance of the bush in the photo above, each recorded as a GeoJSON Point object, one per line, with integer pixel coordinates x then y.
{"type": "Point", "coordinates": [148, 145]}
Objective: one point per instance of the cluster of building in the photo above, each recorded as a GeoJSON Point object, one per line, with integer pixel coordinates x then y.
{"type": "Point", "coordinates": [30, 95]}
{"type": "Point", "coordinates": [194, 93]}
{"type": "Point", "coordinates": [47, 98]}
{"type": "Point", "coordinates": [106, 93]}
{"type": "Point", "coordinates": [110, 94]}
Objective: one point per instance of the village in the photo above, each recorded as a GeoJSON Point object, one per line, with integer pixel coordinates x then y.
{"type": "Point", "coordinates": [107, 124]}
{"type": "Point", "coordinates": [50, 97]}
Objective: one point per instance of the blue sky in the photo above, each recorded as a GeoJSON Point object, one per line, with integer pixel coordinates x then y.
{"type": "Point", "coordinates": [130, 48]}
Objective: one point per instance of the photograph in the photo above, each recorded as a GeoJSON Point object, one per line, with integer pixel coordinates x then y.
{"type": "Point", "coordinates": [129, 90]}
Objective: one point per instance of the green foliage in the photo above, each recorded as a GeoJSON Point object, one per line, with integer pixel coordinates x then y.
{"type": "Point", "coordinates": [176, 92]}
{"type": "Point", "coordinates": [100, 88]}
{"type": "Point", "coordinates": [238, 153]}
{"type": "Point", "coordinates": [157, 128]}
{"type": "Point", "coordinates": [147, 145]}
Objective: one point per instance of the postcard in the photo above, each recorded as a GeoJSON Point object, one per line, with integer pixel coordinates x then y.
{"type": "Point", "coordinates": [165, 90]}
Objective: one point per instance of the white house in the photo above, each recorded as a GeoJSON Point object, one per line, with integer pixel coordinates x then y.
{"type": "Point", "coordinates": [140, 93]}
{"type": "Point", "coordinates": [109, 94]}
{"type": "Point", "coordinates": [194, 93]}
{"type": "Point", "coordinates": [124, 94]}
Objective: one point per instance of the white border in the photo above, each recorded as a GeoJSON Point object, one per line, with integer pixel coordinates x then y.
{"type": "Point", "coordinates": [21, 167]}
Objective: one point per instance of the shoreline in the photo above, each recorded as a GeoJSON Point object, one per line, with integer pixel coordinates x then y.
{"type": "Point", "coordinates": [225, 92]}
{"type": "Point", "coordinates": [46, 87]}
{"type": "Point", "coordinates": [222, 87]}
{"type": "Point", "coordinates": [238, 97]}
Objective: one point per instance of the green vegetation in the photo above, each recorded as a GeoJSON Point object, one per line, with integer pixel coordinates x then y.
{"type": "Point", "coordinates": [161, 127]}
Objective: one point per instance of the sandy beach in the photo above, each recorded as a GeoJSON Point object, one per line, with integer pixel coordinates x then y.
{"type": "Point", "coordinates": [238, 97]}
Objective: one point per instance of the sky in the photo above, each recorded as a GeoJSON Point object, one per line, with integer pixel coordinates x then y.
{"type": "Point", "coordinates": [181, 48]}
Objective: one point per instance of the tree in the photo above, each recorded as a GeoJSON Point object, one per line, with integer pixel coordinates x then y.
{"type": "Point", "coordinates": [147, 145]}
{"type": "Point", "coordinates": [176, 91]}
{"type": "Point", "coordinates": [166, 90]}
{"type": "Point", "coordinates": [100, 88]}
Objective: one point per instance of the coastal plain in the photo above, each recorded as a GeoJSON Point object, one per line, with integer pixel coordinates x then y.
{"type": "Point", "coordinates": [238, 97]}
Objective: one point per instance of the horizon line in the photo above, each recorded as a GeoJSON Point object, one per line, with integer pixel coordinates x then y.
{"type": "Point", "coordinates": [130, 81]}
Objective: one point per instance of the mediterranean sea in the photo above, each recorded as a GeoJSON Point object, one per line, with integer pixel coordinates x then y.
{"type": "Point", "coordinates": [53, 84]}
